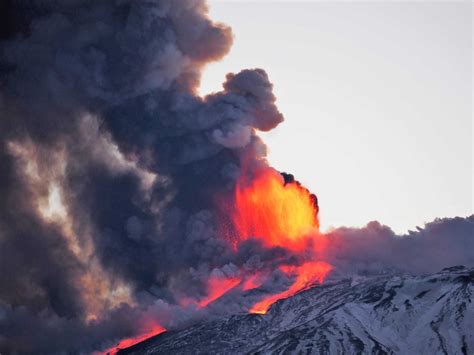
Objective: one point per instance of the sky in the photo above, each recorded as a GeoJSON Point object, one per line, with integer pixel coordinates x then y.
{"type": "Point", "coordinates": [377, 98]}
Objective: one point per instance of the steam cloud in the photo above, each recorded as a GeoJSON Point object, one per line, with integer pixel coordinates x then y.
{"type": "Point", "coordinates": [110, 166]}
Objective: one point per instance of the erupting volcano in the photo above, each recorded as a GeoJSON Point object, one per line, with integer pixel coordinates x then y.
{"type": "Point", "coordinates": [276, 210]}
{"type": "Point", "coordinates": [119, 163]}
{"type": "Point", "coordinates": [131, 204]}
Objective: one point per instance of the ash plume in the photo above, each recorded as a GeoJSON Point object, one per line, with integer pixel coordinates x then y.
{"type": "Point", "coordinates": [110, 162]}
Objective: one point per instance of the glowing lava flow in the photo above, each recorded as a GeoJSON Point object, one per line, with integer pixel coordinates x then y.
{"type": "Point", "coordinates": [252, 282]}
{"type": "Point", "coordinates": [125, 343]}
{"type": "Point", "coordinates": [217, 287]}
{"type": "Point", "coordinates": [280, 214]}
{"type": "Point", "coordinates": [306, 275]}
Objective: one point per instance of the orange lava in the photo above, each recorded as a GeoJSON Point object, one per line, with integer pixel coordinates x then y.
{"type": "Point", "coordinates": [305, 275]}
{"type": "Point", "coordinates": [125, 343]}
{"type": "Point", "coordinates": [252, 282]}
{"type": "Point", "coordinates": [218, 286]}
{"type": "Point", "coordinates": [278, 214]}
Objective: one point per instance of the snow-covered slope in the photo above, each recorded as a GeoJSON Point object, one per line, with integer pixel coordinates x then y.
{"type": "Point", "coordinates": [389, 314]}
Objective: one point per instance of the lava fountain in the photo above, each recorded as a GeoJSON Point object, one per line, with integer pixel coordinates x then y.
{"type": "Point", "coordinates": [280, 213]}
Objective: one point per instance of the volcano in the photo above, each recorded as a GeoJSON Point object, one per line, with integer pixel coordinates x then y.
{"type": "Point", "coordinates": [377, 314]}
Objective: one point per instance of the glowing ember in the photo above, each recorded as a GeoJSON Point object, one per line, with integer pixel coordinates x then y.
{"type": "Point", "coordinates": [217, 287]}
{"type": "Point", "coordinates": [306, 275]}
{"type": "Point", "coordinates": [280, 214]}
{"type": "Point", "coordinates": [125, 343]}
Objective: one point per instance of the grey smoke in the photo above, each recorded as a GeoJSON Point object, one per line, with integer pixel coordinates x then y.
{"type": "Point", "coordinates": [442, 243]}
{"type": "Point", "coordinates": [98, 101]}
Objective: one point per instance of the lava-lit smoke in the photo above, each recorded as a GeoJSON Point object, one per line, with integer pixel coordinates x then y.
{"type": "Point", "coordinates": [129, 204]}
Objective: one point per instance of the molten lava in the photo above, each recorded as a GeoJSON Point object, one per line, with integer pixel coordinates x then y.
{"type": "Point", "coordinates": [252, 282]}
{"type": "Point", "coordinates": [125, 343]}
{"type": "Point", "coordinates": [279, 214]}
{"type": "Point", "coordinates": [305, 275]}
{"type": "Point", "coordinates": [217, 286]}
{"type": "Point", "coordinates": [276, 209]}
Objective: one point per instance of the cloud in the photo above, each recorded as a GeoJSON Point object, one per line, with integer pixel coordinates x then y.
{"type": "Point", "coordinates": [376, 248]}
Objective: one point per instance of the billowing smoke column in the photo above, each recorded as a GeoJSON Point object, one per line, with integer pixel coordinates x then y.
{"type": "Point", "coordinates": [113, 170]}
{"type": "Point", "coordinates": [129, 204]}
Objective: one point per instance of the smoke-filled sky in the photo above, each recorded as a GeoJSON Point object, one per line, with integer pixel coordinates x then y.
{"type": "Point", "coordinates": [377, 98]}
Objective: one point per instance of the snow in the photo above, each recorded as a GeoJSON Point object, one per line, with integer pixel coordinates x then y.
{"type": "Point", "coordinates": [393, 314]}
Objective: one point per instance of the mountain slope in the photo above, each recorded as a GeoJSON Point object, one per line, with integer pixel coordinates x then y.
{"type": "Point", "coordinates": [389, 314]}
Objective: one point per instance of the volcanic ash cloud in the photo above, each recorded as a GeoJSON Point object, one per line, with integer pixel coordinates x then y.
{"type": "Point", "coordinates": [111, 164]}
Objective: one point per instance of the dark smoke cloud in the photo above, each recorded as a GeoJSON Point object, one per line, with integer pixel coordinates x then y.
{"type": "Point", "coordinates": [98, 104]}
